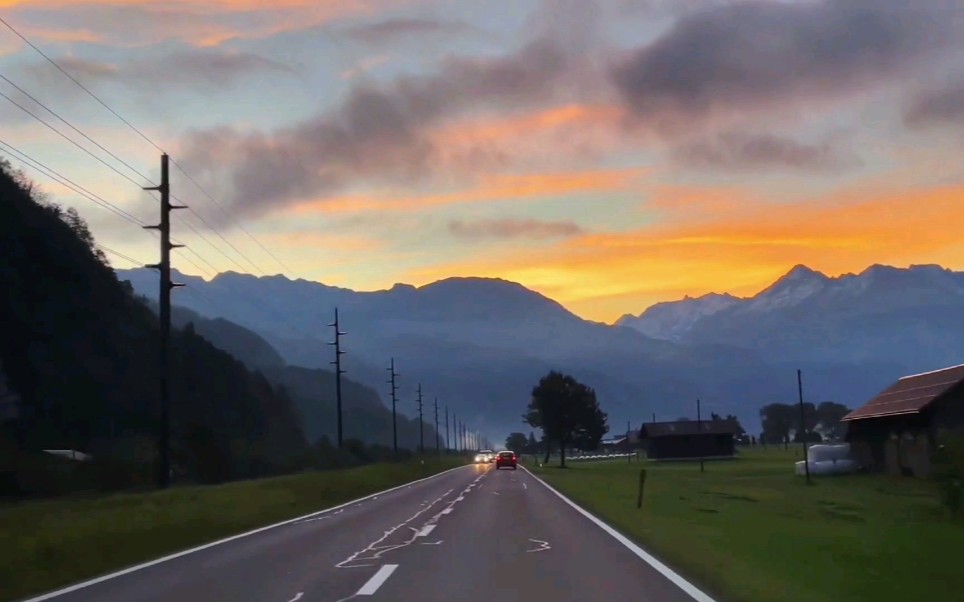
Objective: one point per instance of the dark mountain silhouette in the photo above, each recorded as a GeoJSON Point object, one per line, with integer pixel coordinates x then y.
{"type": "Point", "coordinates": [80, 350]}
{"type": "Point", "coordinates": [480, 345]}
{"type": "Point", "coordinates": [313, 390]}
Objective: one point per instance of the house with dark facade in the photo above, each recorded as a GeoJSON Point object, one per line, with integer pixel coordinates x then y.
{"type": "Point", "coordinates": [620, 444]}
{"type": "Point", "coordinates": [689, 439]}
{"type": "Point", "coordinates": [899, 430]}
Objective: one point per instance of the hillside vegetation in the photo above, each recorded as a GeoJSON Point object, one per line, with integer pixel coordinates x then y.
{"type": "Point", "coordinates": [80, 349]}
{"type": "Point", "coordinates": [312, 390]}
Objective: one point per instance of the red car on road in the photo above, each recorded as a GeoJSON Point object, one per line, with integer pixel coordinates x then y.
{"type": "Point", "coordinates": [506, 458]}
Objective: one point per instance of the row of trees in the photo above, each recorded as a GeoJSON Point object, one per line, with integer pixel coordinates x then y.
{"type": "Point", "coordinates": [569, 415]}
{"type": "Point", "coordinates": [819, 422]}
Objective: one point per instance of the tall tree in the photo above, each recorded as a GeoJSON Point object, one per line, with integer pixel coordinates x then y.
{"type": "Point", "coordinates": [829, 415]}
{"type": "Point", "coordinates": [810, 420]}
{"type": "Point", "coordinates": [532, 445]}
{"type": "Point", "coordinates": [566, 410]}
{"type": "Point", "coordinates": [740, 431]}
{"type": "Point", "coordinates": [516, 442]}
{"type": "Point", "coordinates": [777, 420]}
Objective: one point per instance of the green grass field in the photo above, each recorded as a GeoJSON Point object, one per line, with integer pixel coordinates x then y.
{"type": "Point", "coordinates": [49, 544]}
{"type": "Point", "coordinates": [749, 530]}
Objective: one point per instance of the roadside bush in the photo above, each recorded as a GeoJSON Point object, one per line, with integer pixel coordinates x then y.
{"type": "Point", "coordinates": [949, 472]}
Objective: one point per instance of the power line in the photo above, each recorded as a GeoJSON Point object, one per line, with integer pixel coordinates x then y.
{"type": "Point", "coordinates": [188, 225]}
{"type": "Point", "coordinates": [203, 221]}
{"type": "Point", "coordinates": [204, 271]}
{"type": "Point", "coordinates": [115, 170]}
{"type": "Point", "coordinates": [225, 212]}
{"type": "Point", "coordinates": [71, 140]}
{"type": "Point", "coordinates": [82, 86]}
{"type": "Point", "coordinates": [148, 140]}
{"type": "Point", "coordinates": [94, 198]}
{"type": "Point", "coordinates": [65, 181]}
{"type": "Point", "coordinates": [71, 126]}
{"type": "Point", "coordinates": [121, 255]}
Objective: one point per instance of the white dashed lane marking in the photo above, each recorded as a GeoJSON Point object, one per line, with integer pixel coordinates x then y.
{"type": "Point", "coordinates": [377, 580]}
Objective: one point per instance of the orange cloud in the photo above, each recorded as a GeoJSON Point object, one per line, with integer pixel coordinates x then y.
{"type": "Point", "coordinates": [534, 139]}
{"type": "Point", "coordinates": [502, 128]}
{"type": "Point", "coordinates": [494, 188]}
{"type": "Point", "coordinates": [315, 241]}
{"type": "Point", "coordinates": [198, 22]}
{"type": "Point", "coordinates": [604, 275]}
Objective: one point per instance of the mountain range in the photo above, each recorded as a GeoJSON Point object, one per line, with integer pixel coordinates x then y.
{"type": "Point", "coordinates": [910, 317]}
{"type": "Point", "coordinates": [480, 345]}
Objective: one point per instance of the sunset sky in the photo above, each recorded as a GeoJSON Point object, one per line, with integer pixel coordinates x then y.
{"type": "Point", "coordinates": [609, 155]}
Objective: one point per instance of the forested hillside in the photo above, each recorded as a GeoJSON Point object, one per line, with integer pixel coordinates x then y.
{"type": "Point", "coordinates": [312, 390]}
{"type": "Point", "coordinates": [81, 351]}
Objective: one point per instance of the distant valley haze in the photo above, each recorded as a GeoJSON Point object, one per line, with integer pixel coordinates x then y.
{"type": "Point", "coordinates": [480, 344]}
{"type": "Point", "coordinates": [644, 170]}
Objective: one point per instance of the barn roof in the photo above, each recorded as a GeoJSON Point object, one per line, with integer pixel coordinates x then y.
{"type": "Point", "coordinates": [910, 394]}
{"type": "Point", "coordinates": [689, 427]}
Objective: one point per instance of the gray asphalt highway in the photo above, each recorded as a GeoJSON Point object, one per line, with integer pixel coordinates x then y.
{"type": "Point", "coordinates": [473, 534]}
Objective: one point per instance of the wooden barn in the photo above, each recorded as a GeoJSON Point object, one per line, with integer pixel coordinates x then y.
{"type": "Point", "coordinates": [620, 444]}
{"type": "Point", "coordinates": [899, 430]}
{"type": "Point", "coordinates": [689, 439]}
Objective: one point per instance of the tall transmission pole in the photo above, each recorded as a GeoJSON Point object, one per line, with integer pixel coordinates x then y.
{"type": "Point", "coordinates": [447, 447]}
{"type": "Point", "coordinates": [421, 424]}
{"type": "Point", "coordinates": [164, 267]}
{"type": "Point", "coordinates": [438, 442]}
{"type": "Point", "coordinates": [455, 432]}
{"type": "Point", "coordinates": [391, 369]}
{"type": "Point", "coordinates": [338, 371]}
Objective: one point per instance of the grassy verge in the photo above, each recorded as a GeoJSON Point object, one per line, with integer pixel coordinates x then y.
{"type": "Point", "coordinates": [49, 544]}
{"type": "Point", "coordinates": [749, 530]}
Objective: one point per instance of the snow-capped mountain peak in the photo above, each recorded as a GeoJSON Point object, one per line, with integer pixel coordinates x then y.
{"type": "Point", "coordinates": [878, 288]}
{"type": "Point", "coordinates": [792, 288]}
{"type": "Point", "coordinates": [670, 320]}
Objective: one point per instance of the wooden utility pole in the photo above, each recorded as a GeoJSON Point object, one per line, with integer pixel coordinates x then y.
{"type": "Point", "coordinates": [438, 442]}
{"type": "Point", "coordinates": [699, 430]}
{"type": "Point", "coordinates": [164, 267]}
{"type": "Point", "coordinates": [338, 371]}
{"type": "Point", "coordinates": [391, 368]}
{"type": "Point", "coordinates": [421, 424]}
{"type": "Point", "coordinates": [803, 426]}
{"type": "Point", "coordinates": [629, 456]}
{"type": "Point", "coordinates": [447, 447]}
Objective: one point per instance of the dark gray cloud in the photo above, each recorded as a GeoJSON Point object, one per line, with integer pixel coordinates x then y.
{"type": "Point", "coordinates": [189, 67]}
{"type": "Point", "coordinates": [514, 228]}
{"type": "Point", "coordinates": [379, 133]}
{"type": "Point", "coordinates": [746, 56]}
{"type": "Point", "coordinates": [660, 9]}
{"type": "Point", "coordinates": [391, 30]}
{"type": "Point", "coordinates": [738, 150]}
{"type": "Point", "coordinates": [937, 106]}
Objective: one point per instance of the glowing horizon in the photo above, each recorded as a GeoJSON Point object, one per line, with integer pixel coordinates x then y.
{"type": "Point", "coordinates": [599, 157]}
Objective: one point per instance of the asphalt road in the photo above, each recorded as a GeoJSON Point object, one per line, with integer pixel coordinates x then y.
{"type": "Point", "coordinates": [473, 534]}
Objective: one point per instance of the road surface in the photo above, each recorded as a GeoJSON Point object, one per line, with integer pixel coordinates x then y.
{"type": "Point", "coordinates": [473, 534]}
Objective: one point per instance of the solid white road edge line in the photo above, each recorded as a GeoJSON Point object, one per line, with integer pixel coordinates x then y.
{"type": "Point", "coordinates": [377, 580]}
{"type": "Point", "coordinates": [691, 590]}
{"type": "Point", "coordinates": [73, 588]}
